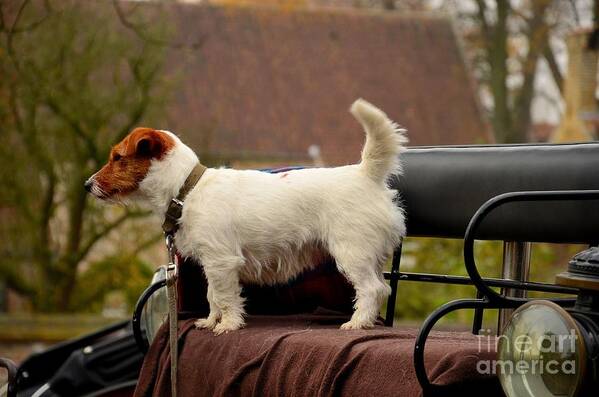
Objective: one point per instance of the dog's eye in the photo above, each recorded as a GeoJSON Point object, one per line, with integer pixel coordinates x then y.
{"type": "Point", "coordinates": [116, 157]}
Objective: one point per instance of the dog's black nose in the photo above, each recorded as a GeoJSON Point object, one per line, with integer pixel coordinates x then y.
{"type": "Point", "coordinates": [88, 185]}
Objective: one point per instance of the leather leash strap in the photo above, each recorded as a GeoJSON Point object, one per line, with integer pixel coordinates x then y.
{"type": "Point", "coordinates": [170, 226]}
{"type": "Point", "coordinates": [173, 331]}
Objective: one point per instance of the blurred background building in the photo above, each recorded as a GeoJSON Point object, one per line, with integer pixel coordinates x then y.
{"type": "Point", "coordinates": [267, 83]}
{"type": "Point", "coordinates": [579, 122]}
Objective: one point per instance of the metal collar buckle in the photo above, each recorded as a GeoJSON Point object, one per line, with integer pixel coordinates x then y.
{"type": "Point", "coordinates": [172, 268]}
{"type": "Point", "coordinates": [172, 216]}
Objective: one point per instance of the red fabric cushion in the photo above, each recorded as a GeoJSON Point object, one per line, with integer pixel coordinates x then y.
{"type": "Point", "coordinates": [307, 355]}
{"type": "Point", "coordinates": [322, 287]}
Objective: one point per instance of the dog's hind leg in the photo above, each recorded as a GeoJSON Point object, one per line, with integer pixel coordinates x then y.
{"type": "Point", "coordinates": [222, 273]}
{"type": "Point", "coordinates": [363, 273]}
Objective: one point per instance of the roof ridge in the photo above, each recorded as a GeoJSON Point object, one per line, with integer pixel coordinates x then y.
{"type": "Point", "coordinates": [321, 10]}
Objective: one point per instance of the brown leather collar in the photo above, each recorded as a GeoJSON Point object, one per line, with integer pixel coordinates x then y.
{"type": "Point", "coordinates": [175, 206]}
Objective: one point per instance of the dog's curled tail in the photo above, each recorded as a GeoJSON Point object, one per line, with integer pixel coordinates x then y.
{"type": "Point", "coordinates": [384, 141]}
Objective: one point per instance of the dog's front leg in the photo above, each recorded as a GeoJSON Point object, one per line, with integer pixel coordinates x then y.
{"type": "Point", "coordinates": [215, 314]}
{"type": "Point", "coordinates": [226, 301]}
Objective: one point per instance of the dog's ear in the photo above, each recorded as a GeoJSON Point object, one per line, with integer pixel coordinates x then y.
{"type": "Point", "coordinates": [146, 147]}
{"type": "Point", "coordinates": [150, 144]}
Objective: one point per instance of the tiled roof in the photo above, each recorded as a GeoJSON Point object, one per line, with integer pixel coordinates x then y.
{"type": "Point", "coordinates": [271, 82]}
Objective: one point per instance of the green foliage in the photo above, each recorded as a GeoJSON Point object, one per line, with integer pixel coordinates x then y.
{"type": "Point", "coordinates": [112, 273]}
{"type": "Point", "coordinates": [440, 256]}
{"type": "Point", "coordinates": [415, 301]}
{"type": "Point", "coordinates": [75, 80]}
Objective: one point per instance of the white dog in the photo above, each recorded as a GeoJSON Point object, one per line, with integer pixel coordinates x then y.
{"type": "Point", "coordinates": [252, 226]}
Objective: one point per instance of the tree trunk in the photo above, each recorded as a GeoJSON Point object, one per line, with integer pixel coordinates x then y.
{"type": "Point", "coordinates": [497, 57]}
{"type": "Point", "coordinates": [538, 42]}
{"type": "Point", "coordinates": [389, 4]}
{"type": "Point", "coordinates": [70, 262]}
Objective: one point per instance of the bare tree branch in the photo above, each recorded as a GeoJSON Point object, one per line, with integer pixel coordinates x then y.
{"type": "Point", "coordinates": [138, 111]}
{"type": "Point", "coordinates": [548, 98]}
{"type": "Point", "coordinates": [549, 56]}
{"type": "Point", "coordinates": [575, 12]}
{"type": "Point", "coordinates": [10, 272]}
{"type": "Point", "coordinates": [497, 56]}
{"type": "Point", "coordinates": [50, 101]}
{"type": "Point", "coordinates": [10, 34]}
{"type": "Point", "coordinates": [74, 124]}
{"type": "Point", "coordinates": [146, 244]}
{"type": "Point", "coordinates": [18, 16]}
{"type": "Point", "coordinates": [140, 32]}
{"type": "Point", "coordinates": [47, 211]}
{"type": "Point", "coordinates": [2, 21]}
{"type": "Point", "coordinates": [96, 237]}
{"type": "Point", "coordinates": [27, 28]}
{"type": "Point", "coordinates": [482, 17]}
{"type": "Point", "coordinates": [537, 35]}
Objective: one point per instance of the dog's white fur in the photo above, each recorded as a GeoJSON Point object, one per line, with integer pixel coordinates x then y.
{"type": "Point", "coordinates": [253, 226]}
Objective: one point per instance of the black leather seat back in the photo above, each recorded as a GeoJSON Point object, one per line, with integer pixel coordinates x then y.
{"type": "Point", "coordinates": [442, 187]}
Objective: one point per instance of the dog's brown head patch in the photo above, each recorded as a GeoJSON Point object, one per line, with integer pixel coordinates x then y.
{"type": "Point", "coordinates": [129, 162]}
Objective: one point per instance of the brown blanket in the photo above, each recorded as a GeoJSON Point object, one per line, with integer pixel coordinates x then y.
{"type": "Point", "coordinates": [307, 355]}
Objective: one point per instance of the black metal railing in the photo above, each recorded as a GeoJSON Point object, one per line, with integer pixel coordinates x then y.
{"type": "Point", "coordinates": [487, 297]}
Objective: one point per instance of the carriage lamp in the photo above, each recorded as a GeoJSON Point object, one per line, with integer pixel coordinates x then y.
{"type": "Point", "coordinates": [546, 350]}
{"type": "Point", "coordinates": [155, 308]}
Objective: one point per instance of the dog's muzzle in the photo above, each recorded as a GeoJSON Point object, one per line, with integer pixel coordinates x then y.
{"type": "Point", "coordinates": [89, 184]}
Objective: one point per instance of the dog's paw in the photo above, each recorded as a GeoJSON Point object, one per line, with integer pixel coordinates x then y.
{"type": "Point", "coordinates": [225, 326]}
{"type": "Point", "coordinates": [351, 324]}
{"type": "Point", "coordinates": [206, 323]}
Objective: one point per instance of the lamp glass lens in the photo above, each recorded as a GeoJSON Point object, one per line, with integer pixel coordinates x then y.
{"type": "Point", "coordinates": [155, 310]}
{"type": "Point", "coordinates": [540, 352]}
